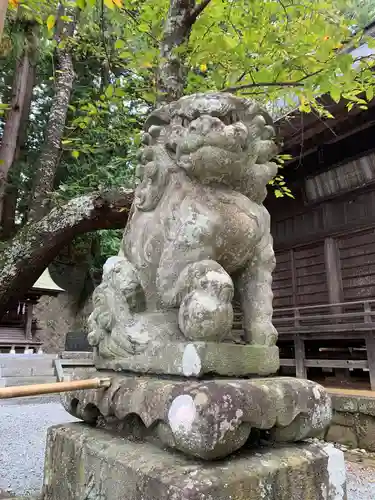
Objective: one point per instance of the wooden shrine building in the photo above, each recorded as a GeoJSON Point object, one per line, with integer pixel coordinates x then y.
{"type": "Point", "coordinates": [18, 327]}
{"type": "Point", "coordinates": [324, 283]}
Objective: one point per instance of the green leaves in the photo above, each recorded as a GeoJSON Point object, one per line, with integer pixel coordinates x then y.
{"type": "Point", "coordinates": [370, 93]}
{"type": "Point", "coordinates": [119, 44]}
{"type": "Point", "coordinates": [51, 20]}
{"type": "Point", "coordinates": [109, 91]}
{"type": "Point", "coordinates": [335, 93]}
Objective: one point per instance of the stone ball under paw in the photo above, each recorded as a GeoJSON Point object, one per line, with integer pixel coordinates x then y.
{"type": "Point", "coordinates": [205, 317]}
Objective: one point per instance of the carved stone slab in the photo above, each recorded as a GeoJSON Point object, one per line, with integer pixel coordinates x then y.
{"type": "Point", "coordinates": [209, 419]}
{"type": "Point", "coordinates": [197, 359]}
{"type": "Point", "coordinates": [92, 464]}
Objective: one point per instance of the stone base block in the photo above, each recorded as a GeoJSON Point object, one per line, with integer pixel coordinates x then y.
{"type": "Point", "coordinates": [83, 462]}
{"type": "Point", "coordinates": [197, 359]}
{"type": "Point", "coordinates": [205, 418]}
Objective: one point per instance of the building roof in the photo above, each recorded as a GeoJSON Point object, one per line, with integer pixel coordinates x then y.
{"type": "Point", "coordinates": [46, 284]}
{"type": "Point", "coordinates": [287, 117]}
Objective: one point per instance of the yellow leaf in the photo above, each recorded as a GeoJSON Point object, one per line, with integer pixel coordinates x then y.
{"type": "Point", "coordinates": [118, 3]}
{"type": "Point", "coordinates": [146, 64]}
{"type": "Point", "coordinates": [13, 3]}
{"type": "Point", "coordinates": [203, 67]}
{"type": "Point", "coordinates": [51, 22]}
{"type": "Point", "coordinates": [109, 4]}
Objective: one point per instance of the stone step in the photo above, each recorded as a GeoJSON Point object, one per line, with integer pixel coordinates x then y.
{"type": "Point", "coordinates": [27, 366]}
{"type": "Point", "coordinates": [17, 381]}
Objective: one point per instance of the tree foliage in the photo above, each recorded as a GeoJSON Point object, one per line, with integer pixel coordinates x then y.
{"type": "Point", "coordinates": [284, 53]}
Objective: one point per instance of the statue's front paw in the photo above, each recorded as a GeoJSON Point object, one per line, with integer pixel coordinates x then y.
{"type": "Point", "coordinates": [262, 333]}
{"type": "Point", "coordinates": [203, 316]}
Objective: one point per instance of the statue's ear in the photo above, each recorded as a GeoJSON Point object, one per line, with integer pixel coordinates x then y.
{"type": "Point", "coordinates": [151, 188]}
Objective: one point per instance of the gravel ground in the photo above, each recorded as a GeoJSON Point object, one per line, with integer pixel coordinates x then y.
{"type": "Point", "coordinates": [22, 441]}
{"type": "Point", "coordinates": [361, 481]}
{"type": "Point", "coordinates": [23, 426]}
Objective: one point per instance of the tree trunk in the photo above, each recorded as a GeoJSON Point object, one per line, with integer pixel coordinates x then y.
{"type": "Point", "coordinates": [13, 121]}
{"type": "Point", "coordinates": [181, 17]}
{"type": "Point", "coordinates": [3, 13]}
{"type": "Point", "coordinates": [24, 258]}
{"type": "Point", "coordinates": [11, 192]}
{"type": "Point", "coordinates": [48, 161]}
{"type": "Point", "coordinates": [8, 216]}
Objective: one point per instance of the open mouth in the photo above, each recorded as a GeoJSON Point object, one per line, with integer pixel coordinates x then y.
{"type": "Point", "coordinates": [227, 133]}
{"type": "Point", "coordinates": [228, 118]}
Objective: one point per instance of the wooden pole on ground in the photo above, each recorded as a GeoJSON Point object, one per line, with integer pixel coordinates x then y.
{"type": "Point", "coordinates": [38, 389]}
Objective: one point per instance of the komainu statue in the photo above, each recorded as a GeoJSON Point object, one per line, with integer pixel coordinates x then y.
{"type": "Point", "coordinates": [198, 232]}
{"type": "Point", "coordinates": [197, 240]}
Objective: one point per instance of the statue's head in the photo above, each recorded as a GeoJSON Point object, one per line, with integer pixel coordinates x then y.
{"type": "Point", "coordinates": [215, 138]}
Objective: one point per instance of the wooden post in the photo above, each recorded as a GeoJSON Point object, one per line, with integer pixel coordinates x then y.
{"type": "Point", "coordinates": [299, 348]}
{"type": "Point", "coordinates": [29, 321]}
{"type": "Point", "coordinates": [370, 346]}
{"type": "Point", "coordinates": [57, 387]}
{"type": "Point", "coordinates": [294, 279]}
{"type": "Point", "coordinates": [333, 273]}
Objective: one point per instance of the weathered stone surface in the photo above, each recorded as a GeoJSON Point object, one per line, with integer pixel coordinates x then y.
{"type": "Point", "coordinates": [366, 406]}
{"type": "Point", "coordinates": [210, 418]}
{"type": "Point", "coordinates": [343, 435]}
{"type": "Point", "coordinates": [76, 355]}
{"type": "Point", "coordinates": [197, 359]}
{"type": "Point", "coordinates": [365, 430]}
{"type": "Point", "coordinates": [344, 418]}
{"type": "Point", "coordinates": [82, 462]}
{"type": "Point", "coordinates": [344, 403]}
{"type": "Point", "coordinates": [198, 235]}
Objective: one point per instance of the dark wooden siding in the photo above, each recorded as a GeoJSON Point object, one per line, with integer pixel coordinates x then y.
{"type": "Point", "coordinates": [283, 280]}
{"type": "Point", "coordinates": [357, 261]}
{"type": "Point", "coordinates": [310, 273]}
{"type": "Point", "coordinates": [300, 277]}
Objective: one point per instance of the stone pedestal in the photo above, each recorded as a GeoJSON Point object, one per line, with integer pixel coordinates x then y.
{"type": "Point", "coordinates": [86, 463]}
{"type": "Point", "coordinates": [208, 418]}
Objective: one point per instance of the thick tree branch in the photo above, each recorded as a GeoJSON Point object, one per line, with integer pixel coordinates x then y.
{"type": "Point", "coordinates": [236, 88]}
{"type": "Point", "coordinates": [296, 83]}
{"type": "Point", "coordinates": [198, 9]}
{"type": "Point", "coordinates": [171, 80]}
{"type": "Point", "coordinates": [24, 258]}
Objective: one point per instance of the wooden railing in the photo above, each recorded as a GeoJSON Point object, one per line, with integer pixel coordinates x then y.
{"type": "Point", "coordinates": [339, 321]}
{"type": "Point", "coordinates": [345, 316]}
